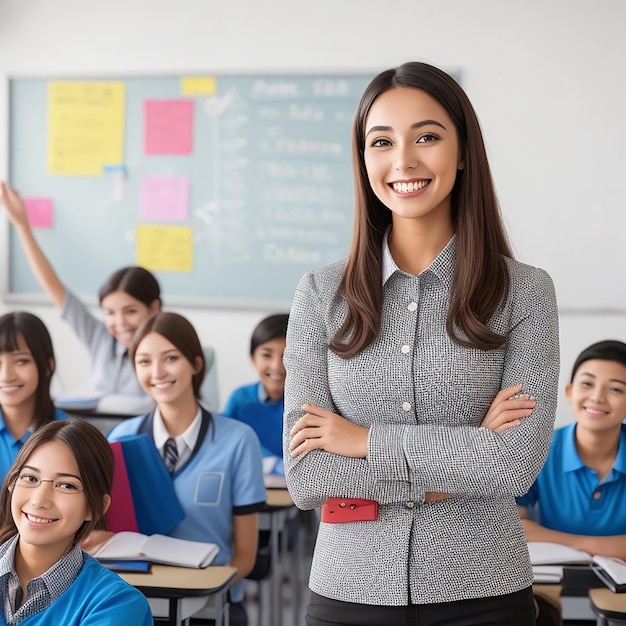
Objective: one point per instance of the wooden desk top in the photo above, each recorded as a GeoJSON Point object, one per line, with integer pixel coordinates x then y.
{"type": "Point", "coordinates": [168, 581]}
{"type": "Point", "coordinates": [608, 604]}
{"type": "Point", "coordinates": [278, 499]}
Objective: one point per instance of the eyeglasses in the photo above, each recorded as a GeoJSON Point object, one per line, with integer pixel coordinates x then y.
{"type": "Point", "coordinates": [69, 486]}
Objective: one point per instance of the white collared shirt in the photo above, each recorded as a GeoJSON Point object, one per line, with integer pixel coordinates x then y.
{"type": "Point", "coordinates": [185, 443]}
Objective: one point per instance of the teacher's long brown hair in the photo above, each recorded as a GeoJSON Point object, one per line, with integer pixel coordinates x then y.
{"type": "Point", "coordinates": [480, 277]}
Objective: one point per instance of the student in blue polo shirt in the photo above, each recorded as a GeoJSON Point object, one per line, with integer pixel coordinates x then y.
{"type": "Point", "coordinates": [578, 498]}
{"type": "Point", "coordinates": [261, 404]}
{"type": "Point", "coordinates": [26, 369]}
{"type": "Point", "coordinates": [215, 462]}
{"type": "Point", "coordinates": [56, 492]}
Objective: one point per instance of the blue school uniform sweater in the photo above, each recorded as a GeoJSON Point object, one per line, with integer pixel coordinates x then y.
{"type": "Point", "coordinates": [249, 404]}
{"type": "Point", "coordinates": [222, 478]}
{"type": "Point", "coordinates": [97, 597]}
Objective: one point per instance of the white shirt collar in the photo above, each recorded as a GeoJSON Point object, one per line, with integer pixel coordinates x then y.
{"type": "Point", "coordinates": [185, 442]}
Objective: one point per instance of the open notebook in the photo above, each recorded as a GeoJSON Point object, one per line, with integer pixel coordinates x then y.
{"type": "Point", "coordinates": [130, 545]}
{"type": "Point", "coordinates": [545, 555]}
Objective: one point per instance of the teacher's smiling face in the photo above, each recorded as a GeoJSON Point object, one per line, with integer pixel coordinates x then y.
{"type": "Point", "coordinates": [412, 154]}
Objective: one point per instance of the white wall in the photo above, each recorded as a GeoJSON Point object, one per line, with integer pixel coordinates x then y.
{"type": "Point", "coordinates": [546, 77]}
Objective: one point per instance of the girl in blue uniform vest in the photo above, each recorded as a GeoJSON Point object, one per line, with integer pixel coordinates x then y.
{"type": "Point", "coordinates": [215, 462]}
{"type": "Point", "coordinates": [26, 369]}
{"type": "Point", "coordinates": [56, 492]}
{"type": "Point", "coordinates": [261, 404]}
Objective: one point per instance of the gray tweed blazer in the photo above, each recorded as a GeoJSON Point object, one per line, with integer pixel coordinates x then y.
{"type": "Point", "coordinates": [423, 397]}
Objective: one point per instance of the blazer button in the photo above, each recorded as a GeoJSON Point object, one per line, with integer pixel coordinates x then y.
{"type": "Point", "coordinates": [406, 406]}
{"type": "Point", "coordinates": [409, 505]}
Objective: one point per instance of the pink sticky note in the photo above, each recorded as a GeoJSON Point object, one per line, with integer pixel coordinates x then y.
{"type": "Point", "coordinates": [40, 212]}
{"type": "Point", "coordinates": [168, 126]}
{"type": "Point", "coordinates": [164, 198]}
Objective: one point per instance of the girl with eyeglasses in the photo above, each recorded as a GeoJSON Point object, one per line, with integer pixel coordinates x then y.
{"type": "Point", "coordinates": [56, 492]}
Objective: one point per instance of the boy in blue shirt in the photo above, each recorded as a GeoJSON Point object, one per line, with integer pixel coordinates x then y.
{"type": "Point", "coordinates": [261, 404]}
{"type": "Point", "coordinates": [578, 498]}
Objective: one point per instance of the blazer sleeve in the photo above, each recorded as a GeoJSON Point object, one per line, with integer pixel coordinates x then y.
{"type": "Point", "coordinates": [406, 461]}
{"type": "Point", "coordinates": [473, 461]}
{"type": "Point", "coordinates": [314, 477]}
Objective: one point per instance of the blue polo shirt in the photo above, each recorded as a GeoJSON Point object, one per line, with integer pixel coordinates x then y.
{"type": "Point", "coordinates": [568, 496]}
{"type": "Point", "coordinates": [9, 446]}
{"type": "Point", "coordinates": [251, 405]}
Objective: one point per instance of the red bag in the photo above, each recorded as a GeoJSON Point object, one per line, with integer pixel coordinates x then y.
{"type": "Point", "coordinates": [121, 514]}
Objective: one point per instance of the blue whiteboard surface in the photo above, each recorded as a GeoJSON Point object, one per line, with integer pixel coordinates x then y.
{"type": "Point", "coordinates": [270, 188]}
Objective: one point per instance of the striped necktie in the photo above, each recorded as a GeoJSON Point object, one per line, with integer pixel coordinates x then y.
{"type": "Point", "coordinates": [170, 454]}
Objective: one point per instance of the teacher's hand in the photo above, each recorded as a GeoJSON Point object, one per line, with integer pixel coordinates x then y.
{"type": "Point", "coordinates": [319, 429]}
{"type": "Point", "coordinates": [507, 410]}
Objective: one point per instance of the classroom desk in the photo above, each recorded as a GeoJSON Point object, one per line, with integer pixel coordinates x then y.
{"type": "Point", "coordinates": [185, 590]}
{"type": "Point", "coordinates": [278, 510]}
{"type": "Point", "coordinates": [610, 607]}
{"type": "Point", "coordinates": [572, 594]}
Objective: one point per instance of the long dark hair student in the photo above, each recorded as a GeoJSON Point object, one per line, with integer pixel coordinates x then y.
{"type": "Point", "coordinates": [127, 298]}
{"type": "Point", "coordinates": [422, 377]}
{"type": "Point", "coordinates": [196, 445]}
{"type": "Point", "coordinates": [36, 336]}
{"type": "Point", "coordinates": [94, 459]}
{"type": "Point", "coordinates": [55, 494]}
{"type": "Point", "coordinates": [481, 278]}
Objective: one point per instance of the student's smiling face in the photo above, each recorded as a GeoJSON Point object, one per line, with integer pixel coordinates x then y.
{"type": "Point", "coordinates": [123, 315]}
{"type": "Point", "coordinates": [47, 519]}
{"type": "Point", "coordinates": [162, 370]}
{"type": "Point", "coordinates": [268, 361]}
{"type": "Point", "coordinates": [597, 395]}
{"type": "Point", "coordinates": [19, 378]}
{"type": "Point", "coordinates": [412, 154]}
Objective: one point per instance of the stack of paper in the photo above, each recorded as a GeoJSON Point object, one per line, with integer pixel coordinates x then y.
{"type": "Point", "coordinates": [547, 553]}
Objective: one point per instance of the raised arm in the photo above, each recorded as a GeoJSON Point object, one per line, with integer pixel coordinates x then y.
{"type": "Point", "coordinates": [39, 264]}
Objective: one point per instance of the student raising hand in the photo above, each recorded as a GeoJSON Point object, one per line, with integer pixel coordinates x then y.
{"type": "Point", "coordinates": [129, 297]}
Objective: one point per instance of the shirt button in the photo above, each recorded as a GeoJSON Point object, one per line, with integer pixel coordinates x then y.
{"type": "Point", "coordinates": [406, 406]}
{"type": "Point", "coordinates": [412, 306]}
{"type": "Point", "coordinates": [406, 349]}
{"type": "Point", "coordinates": [597, 495]}
{"type": "Point", "coordinates": [409, 505]}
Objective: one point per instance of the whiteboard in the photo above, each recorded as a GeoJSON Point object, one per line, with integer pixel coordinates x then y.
{"type": "Point", "coordinates": [269, 187]}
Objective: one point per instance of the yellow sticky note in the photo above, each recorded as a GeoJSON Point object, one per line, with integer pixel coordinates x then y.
{"type": "Point", "coordinates": [85, 126]}
{"type": "Point", "coordinates": [198, 85]}
{"type": "Point", "coordinates": [168, 248]}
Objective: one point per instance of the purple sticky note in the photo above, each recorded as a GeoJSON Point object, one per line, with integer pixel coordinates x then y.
{"type": "Point", "coordinates": [164, 198]}
{"type": "Point", "coordinates": [40, 212]}
{"type": "Point", "coordinates": [168, 126]}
